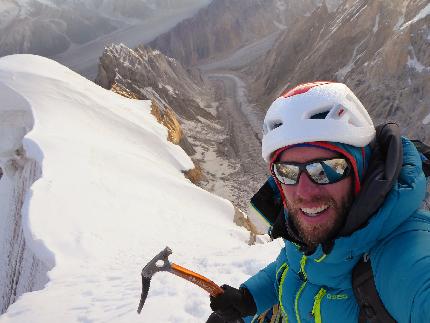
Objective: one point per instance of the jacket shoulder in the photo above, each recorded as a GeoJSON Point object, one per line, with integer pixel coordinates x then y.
{"type": "Point", "coordinates": [401, 265]}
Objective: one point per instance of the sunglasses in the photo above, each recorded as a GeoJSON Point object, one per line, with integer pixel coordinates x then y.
{"type": "Point", "coordinates": [320, 171]}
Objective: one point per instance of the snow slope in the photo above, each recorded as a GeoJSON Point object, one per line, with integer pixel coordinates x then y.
{"type": "Point", "coordinates": [110, 197]}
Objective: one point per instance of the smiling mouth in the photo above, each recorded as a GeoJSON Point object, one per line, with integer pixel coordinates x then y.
{"type": "Point", "coordinates": [314, 211]}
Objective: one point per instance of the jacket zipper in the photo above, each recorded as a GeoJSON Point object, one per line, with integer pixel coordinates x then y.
{"type": "Point", "coordinates": [316, 309]}
{"type": "Point", "coordinates": [284, 274]}
{"type": "Point", "coordinates": [303, 275]}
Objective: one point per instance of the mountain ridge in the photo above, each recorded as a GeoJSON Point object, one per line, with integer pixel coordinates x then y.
{"type": "Point", "coordinates": [355, 45]}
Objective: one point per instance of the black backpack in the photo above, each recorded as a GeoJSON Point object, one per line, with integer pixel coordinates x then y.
{"type": "Point", "coordinates": [267, 202]}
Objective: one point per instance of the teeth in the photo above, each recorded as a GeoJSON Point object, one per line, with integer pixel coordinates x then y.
{"type": "Point", "coordinates": [315, 210]}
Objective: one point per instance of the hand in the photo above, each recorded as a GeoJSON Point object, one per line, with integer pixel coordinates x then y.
{"type": "Point", "coordinates": [215, 318]}
{"type": "Point", "coordinates": [232, 305]}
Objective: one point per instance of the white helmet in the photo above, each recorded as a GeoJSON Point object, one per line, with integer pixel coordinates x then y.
{"type": "Point", "coordinates": [318, 111]}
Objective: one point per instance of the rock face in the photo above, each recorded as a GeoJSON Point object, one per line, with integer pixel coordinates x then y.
{"type": "Point", "coordinates": [152, 75]}
{"type": "Point", "coordinates": [380, 49]}
{"type": "Point", "coordinates": [227, 25]}
{"type": "Point", "coordinates": [148, 74]}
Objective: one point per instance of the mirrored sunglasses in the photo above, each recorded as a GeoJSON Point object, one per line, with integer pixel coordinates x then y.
{"type": "Point", "coordinates": [320, 171]}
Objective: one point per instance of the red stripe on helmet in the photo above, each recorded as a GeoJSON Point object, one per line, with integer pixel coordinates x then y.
{"type": "Point", "coordinates": [303, 88]}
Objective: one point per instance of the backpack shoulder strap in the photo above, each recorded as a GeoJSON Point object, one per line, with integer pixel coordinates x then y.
{"type": "Point", "coordinates": [372, 310]}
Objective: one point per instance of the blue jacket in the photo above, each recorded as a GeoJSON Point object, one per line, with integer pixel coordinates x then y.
{"type": "Point", "coordinates": [317, 288]}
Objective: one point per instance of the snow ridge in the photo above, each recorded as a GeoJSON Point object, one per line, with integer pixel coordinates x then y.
{"type": "Point", "coordinates": [110, 196]}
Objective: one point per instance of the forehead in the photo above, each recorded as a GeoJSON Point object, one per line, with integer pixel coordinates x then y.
{"type": "Point", "coordinates": [304, 154]}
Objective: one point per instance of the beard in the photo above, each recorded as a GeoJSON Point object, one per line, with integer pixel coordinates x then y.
{"type": "Point", "coordinates": [313, 235]}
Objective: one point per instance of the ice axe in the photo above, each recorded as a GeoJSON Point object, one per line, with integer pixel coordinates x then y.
{"type": "Point", "coordinates": [161, 263]}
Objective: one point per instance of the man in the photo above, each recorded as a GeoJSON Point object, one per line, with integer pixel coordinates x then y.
{"type": "Point", "coordinates": [349, 192]}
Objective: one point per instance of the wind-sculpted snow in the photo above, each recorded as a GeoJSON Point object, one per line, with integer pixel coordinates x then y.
{"type": "Point", "coordinates": [21, 271]}
{"type": "Point", "coordinates": [109, 196]}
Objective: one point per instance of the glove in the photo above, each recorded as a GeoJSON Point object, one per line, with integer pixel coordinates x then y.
{"type": "Point", "coordinates": [232, 305]}
{"type": "Point", "coordinates": [215, 318]}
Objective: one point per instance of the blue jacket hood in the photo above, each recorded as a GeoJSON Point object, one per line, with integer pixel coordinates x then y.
{"type": "Point", "coordinates": [402, 201]}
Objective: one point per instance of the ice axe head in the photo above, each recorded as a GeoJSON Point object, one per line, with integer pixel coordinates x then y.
{"type": "Point", "coordinates": [159, 263]}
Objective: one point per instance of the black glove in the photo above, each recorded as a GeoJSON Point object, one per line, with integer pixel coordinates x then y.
{"type": "Point", "coordinates": [216, 318]}
{"type": "Point", "coordinates": [232, 305]}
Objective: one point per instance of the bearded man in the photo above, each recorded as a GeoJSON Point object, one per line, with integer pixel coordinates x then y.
{"type": "Point", "coordinates": [351, 196]}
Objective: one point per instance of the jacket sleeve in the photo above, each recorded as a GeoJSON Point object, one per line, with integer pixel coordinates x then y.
{"type": "Point", "coordinates": [402, 274]}
{"type": "Point", "coordinates": [263, 284]}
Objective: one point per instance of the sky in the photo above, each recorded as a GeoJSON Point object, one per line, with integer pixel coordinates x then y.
{"type": "Point", "coordinates": [111, 196]}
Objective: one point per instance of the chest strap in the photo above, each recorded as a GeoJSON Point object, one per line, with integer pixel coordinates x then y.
{"type": "Point", "coordinates": [372, 310]}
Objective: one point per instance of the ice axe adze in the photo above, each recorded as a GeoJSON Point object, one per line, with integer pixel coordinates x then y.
{"type": "Point", "coordinates": [161, 263]}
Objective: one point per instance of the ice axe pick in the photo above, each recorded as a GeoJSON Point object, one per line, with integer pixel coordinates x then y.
{"type": "Point", "coordinates": [161, 263]}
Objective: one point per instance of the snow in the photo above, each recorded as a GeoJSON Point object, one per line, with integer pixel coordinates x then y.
{"type": "Point", "coordinates": [280, 5]}
{"type": "Point", "coordinates": [414, 63]}
{"type": "Point", "coordinates": [25, 6]}
{"type": "Point", "coordinates": [399, 23]}
{"type": "Point", "coordinates": [359, 12]}
{"type": "Point", "coordinates": [340, 74]}
{"type": "Point", "coordinates": [279, 25]}
{"type": "Point", "coordinates": [170, 89]}
{"type": "Point", "coordinates": [332, 5]}
{"type": "Point", "coordinates": [355, 9]}
{"type": "Point", "coordinates": [8, 11]}
{"type": "Point", "coordinates": [376, 26]}
{"type": "Point", "coordinates": [111, 196]}
{"type": "Point", "coordinates": [422, 14]}
{"type": "Point", "coordinates": [426, 120]}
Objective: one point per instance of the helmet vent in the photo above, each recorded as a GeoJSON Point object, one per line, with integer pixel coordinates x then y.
{"type": "Point", "coordinates": [275, 124]}
{"type": "Point", "coordinates": [320, 115]}
{"type": "Point", "coordinates": [353, 122]}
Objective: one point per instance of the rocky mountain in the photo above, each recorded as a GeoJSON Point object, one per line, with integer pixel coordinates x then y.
{"type": "Point", "coordinates": [148, 74]}
{"type": "Point", "coordinates": [225, 26]}
{"type": "Point", "coordinates": [50, 27]}
{"type": "Point", "coordinates": [152, 75]}
{"type": "Point", "coordinates": [381, 49]}
{"type": "Point", "coordinates": [209, 127]}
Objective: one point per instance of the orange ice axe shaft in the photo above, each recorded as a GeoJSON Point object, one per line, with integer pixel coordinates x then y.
{"type": "Point", "coordinates": [161, 263]}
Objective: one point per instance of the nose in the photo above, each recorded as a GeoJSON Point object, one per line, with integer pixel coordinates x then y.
{"type": "Point", "coordinates": [305, 188]}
